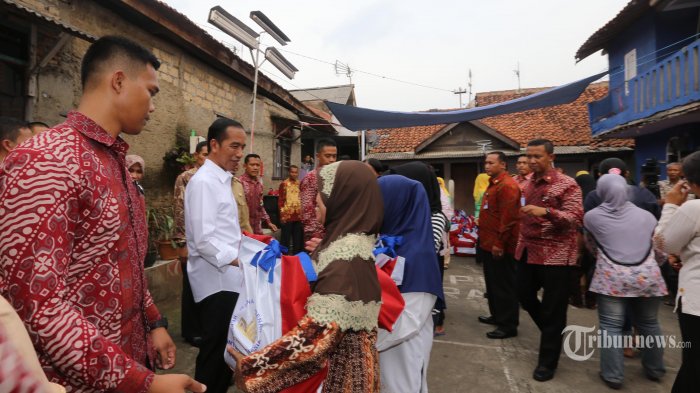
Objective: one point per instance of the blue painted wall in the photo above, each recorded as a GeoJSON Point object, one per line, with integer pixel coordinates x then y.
{"type": "Point", "coordinates": [672, 27]}
{"type": "Point", "coordinates": [641, 35]}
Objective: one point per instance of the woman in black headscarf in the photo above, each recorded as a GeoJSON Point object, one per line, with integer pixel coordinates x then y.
{"type": "Point", "coordinates": [422, 173]}
{"type": "Point", "coordinates": [586, 181]}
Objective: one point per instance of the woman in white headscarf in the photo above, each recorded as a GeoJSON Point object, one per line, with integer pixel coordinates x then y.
{"type": "Point", "coordinates": [626, 276]}
{"type": "Point", "coordinates": [679, 233]}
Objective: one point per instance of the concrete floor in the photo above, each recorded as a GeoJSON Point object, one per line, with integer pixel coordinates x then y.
{"type": "Point", "coordinates": [464, 360]}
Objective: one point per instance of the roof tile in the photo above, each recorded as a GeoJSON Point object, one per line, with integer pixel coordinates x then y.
{"type": "Point", "coordinates": [565, 125]}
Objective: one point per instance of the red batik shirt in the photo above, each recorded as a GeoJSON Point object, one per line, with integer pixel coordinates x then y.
{"type": "Point", "coordinates": [309, 189]}
{"type": "Point", "coordinates": [499, 215]}
{"type": "Point", "coordinates": [73, 238]}
{"type": "Point", "coordinates": [289, 201]}
{"type": "Point", "coordinates": [551, 239]}
{"type": "Point", "coordinates": [522, 180]}
{"type": "Point", "coordinates": [253, 190]}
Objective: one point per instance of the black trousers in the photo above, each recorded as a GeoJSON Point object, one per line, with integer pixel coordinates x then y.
{"type": "Point", "coordinates": [440, 305]}
{"type": "Point", "coordinates": [688, 378]}
{"type": "Point", "coordinates": [189, 320]}
{"type": "Point", "coordinates": [293, 237]}
{"type": "Point", "coordinates": [501, 285]}
{"type": "Point", "coordinates": [215, 314]}
{"type": "Point", "coordinates": [550, 313]}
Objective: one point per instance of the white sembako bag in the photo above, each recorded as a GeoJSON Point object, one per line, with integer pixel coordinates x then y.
{"type": "Point", "coordinates": [256, 320]}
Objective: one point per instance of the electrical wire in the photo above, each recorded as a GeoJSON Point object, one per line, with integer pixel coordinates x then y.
{"type": "Point", "coordinates": [333, 64]}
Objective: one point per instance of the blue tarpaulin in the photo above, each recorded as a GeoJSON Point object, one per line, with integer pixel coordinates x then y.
{"type": "Point", "coordinates": [354, 118]}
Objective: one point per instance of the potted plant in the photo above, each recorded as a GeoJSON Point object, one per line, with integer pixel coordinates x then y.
{"type": "Point", "coordinates": [178, 160]}
{"type": "Point", "coordinates": [161, 226]}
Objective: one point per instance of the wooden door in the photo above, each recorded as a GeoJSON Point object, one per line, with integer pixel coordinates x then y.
{"type": "Point", "coordinates": [464, 175]}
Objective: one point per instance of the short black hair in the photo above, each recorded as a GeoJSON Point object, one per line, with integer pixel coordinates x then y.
{"type": "Point", "coordinates": [376, 165]}
{"type": "Point", "coordinates": [293, 166]}
{"type": "Point", "coordinates": [325, 142]}
{"type": "Point", "coordinates": [109, 48]}
{"type": "Point", "coordinates": [522, 155]}
{"type": "Point", "coordinates": [548, 145]}
{"type": "Point", "coordinates": [501, 155]}
{"type": "Point", "coordinates": [10, 126]}
{"type": "Point", "coordinates": [200, 146]}
{"type": "Point", "coordinates": [33, 124]}
{"type": "Point", "coordinates": [691, 168]}
{"type": "Point", "coordinates": [676, 163]}
{"type": "Point", "coordinates": [217, 129]}
{"type": "Point", "coordinates": [249, 156]}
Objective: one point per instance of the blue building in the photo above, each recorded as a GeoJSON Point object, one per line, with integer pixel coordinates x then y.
{"type": "Point", "coordinates": [654, 96]}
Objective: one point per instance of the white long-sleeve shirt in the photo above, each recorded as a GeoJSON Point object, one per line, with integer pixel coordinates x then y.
{"type": "Point", "coordinates": [678, 233]}
{"type": "Point", "coordinates": [213, 233]}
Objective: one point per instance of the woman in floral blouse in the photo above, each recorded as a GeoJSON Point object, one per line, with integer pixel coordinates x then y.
{"type": "Point", "coordinates": [627, 276]}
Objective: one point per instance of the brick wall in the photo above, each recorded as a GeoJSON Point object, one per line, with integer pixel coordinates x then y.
{"type": "Point", "coordinates": [192, 93]}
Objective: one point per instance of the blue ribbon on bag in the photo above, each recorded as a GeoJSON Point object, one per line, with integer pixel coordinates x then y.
{"type": "Point", "coordinates": [267, 262]}
{"type": "Point", "coordinates": [308, 266]}
{"type": "Point", "coordinates": [386, 244]}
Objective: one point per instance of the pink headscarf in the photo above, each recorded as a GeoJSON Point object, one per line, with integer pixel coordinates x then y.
{"type": "Point", "coordinates": [132, 159]}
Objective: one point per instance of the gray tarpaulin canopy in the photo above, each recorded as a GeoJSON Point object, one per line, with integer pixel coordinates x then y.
{"type": "Point", "coordinates": [356, 119]}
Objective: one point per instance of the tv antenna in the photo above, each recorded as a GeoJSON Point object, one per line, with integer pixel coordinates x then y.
{"type": "Point", "coordinates": [469, 87]}
{"type": "Point", "coordinates": [343, 69]}
{"type": "Point", "coordinates": [484, 145]}
{"type": "Point", "coordinates": [517, 75]}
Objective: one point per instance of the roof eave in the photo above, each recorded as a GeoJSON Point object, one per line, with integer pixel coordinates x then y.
{"type": "Point", "coordinates": [152, 16]}
{"type": "Point", "coordinates": [632, 11]}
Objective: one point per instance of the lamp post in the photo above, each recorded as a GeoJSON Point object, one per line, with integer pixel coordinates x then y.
{"type": "Point", "coordinates": [230, 25]}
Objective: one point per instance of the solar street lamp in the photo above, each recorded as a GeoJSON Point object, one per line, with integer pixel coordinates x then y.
{"type": "Point", "coordinates": [230, 25]}
{"type": "Point", "coordinates": [269, 27]}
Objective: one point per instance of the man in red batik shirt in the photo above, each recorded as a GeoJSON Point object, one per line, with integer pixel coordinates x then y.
{"type": "Point", "coordinates": [74, 236]}
{"type": "Point", "coordinates": [254, 193]}
{"type": "Point", "coordinates": [290, 212]}
{"type": "Point", "coordinates": [547, 249]}
{"type": "Point", "coordinates": [326, 153]}
{"type": "Point", "coordinates": [524, 173]}
{"type": "Point", "coordinates": [498, 235]}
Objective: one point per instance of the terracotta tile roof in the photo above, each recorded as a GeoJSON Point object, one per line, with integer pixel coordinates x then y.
{"type": "Point", "coordinates": [565, 125]}
{"type": "Point", "coordinates": [403, 139]}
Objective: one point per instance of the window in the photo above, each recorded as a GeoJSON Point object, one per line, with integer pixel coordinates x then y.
{"type": "Point", "coordinates": [282, 159]}
{"type": "Point", "coordinates": [14, 50]}
{"type": "Point", "coordinates": [630, 68]}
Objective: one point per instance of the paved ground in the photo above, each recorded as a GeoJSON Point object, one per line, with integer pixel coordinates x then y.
{"type": "Point", "coordinates": [464, 360]}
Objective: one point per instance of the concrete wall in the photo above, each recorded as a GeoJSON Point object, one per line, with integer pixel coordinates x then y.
{"type": "Point", "coordinates": [192, 93]}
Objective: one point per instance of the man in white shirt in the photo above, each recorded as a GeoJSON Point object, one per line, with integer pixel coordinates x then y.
{"type": "Point", "coordinates": [213, 239]}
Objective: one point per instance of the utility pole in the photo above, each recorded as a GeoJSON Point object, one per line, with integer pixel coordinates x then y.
{"type": "Point", "coordinates": [517, 74]}
{"type": "Point", "coordinates": [460, 91]}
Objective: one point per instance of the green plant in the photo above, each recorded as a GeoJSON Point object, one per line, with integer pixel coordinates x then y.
{"type": "Point", "coordinates": [177, 160]}
{"type": "Point", "coordinates": [161, 226]}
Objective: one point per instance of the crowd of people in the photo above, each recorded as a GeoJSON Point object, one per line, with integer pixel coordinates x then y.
{"type": "Point", "coordinates": [77, 314]}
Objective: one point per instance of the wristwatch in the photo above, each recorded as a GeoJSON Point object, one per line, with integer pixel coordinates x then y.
{"type": "Point", "coordinates": [161, 323]}
{"type": "Point", "coordinates": [547, 211]}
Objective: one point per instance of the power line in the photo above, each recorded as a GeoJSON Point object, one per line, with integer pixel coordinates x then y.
{"type": "Point", "coordinates": [334, 63]}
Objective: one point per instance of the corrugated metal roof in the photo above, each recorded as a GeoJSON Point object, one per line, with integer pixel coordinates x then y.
{"type": "Point", "coordinates": [65, 27]}
{"type": "Point", "coordinates": [337, 94]}
{"type": "Point", "coordinates": [433, 155]}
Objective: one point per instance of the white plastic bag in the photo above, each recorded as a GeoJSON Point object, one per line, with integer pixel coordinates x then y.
{"type": "Point", "coordinates": [256, 320]}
